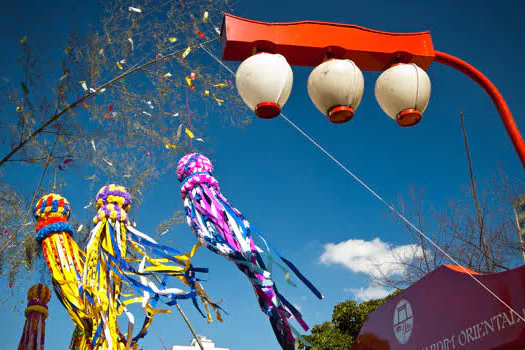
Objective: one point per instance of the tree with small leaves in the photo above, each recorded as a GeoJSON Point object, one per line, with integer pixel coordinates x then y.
{"type": "Point", "coordinates": [121, 103]}
{"type": "Point", "coordinates": [347, 319]}
{"type": "Point", "coordinates": [478, 232]}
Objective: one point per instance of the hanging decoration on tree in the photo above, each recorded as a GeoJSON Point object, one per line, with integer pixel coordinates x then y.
{"type": "Point", "coordinates": [63, 257]}
{"type": "Point", "coordinates": [34, 332]}
{"type": "Point", "coordinates": [225, 231]}
{"type": "Point", "coordinates": [116, 253]}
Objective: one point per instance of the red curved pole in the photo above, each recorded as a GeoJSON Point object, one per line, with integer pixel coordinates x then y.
{"type": "Point", "coordinates": [495, 96]}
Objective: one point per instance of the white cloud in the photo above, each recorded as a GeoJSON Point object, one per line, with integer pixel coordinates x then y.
{"type": "Point", "coordinates": [370, 292]}
{"type": "Point", "coordinates": [372, 258]}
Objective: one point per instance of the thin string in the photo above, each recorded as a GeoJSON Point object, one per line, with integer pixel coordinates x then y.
{"type": "Point", "coordinates": [216, 59]}
{"type": "Point", "coordinates": [162, 341]}
{"type": "Point", "coordinates": [392, 208]}
{"type": "Point", "coordinates": [401, 216]}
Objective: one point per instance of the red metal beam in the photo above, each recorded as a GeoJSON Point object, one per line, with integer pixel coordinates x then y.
{"type": "Point", "coordinates": [308, 43]}
{"type": "Point", "coordinates": [495, 96]}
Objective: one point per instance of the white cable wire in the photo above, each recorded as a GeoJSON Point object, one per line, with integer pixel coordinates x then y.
{"type": "Point", "coordinates": [216, 59]}
{"type": "Point", "coordinates": [401, 216]}
{"type": "Point", "coordinates": [392, 208]}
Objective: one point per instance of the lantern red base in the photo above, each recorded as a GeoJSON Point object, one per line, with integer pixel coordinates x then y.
{"type": "Point", "coordinates": [267, 110]}
{"type": "Point", "coordinates": [408, 117]}
{"type": "Point", "coordinates": [340, 114]}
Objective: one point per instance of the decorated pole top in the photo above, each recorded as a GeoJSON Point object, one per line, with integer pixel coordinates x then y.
{"type": "Point", "coordinates": [39, 295]}
{"type": "Point", "coordinates": [309, 43]}
{"type": "Point", "coordinates": [33, 335]}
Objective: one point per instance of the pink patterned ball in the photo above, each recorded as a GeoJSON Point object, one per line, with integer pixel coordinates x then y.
{"type": "Point", "coordinates": [193, 163]}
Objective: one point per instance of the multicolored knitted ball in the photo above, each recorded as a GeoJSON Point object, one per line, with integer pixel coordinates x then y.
{"type": "Point", "coordinates": [113, 202]}
{"type": "Point", "coordinates": [51, 212]}
{"type": "Point", "coordinates": [51, 205]}
{"type": "Point", "coordinates": [193, 163]}
{"type": "Point", "coordinates": [195, 169]}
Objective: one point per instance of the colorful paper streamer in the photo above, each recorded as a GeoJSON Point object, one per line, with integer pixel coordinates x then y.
{"type": "Point", "coordinates": [225, 231]}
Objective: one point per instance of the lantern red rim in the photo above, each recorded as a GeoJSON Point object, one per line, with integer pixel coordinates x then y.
{"type": "Point", "coordinates": [267, 110]}
{"type": "Point", "coordinates": [408, 117]}
{"type": "Point", "coordinates": [340, 114]}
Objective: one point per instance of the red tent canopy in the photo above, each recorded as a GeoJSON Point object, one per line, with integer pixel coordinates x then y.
{"type": "Point", "coordinates": [447, 309]}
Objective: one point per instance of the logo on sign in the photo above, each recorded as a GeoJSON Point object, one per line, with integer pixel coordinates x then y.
{"type": "Point", "coordinates": [403, 321]}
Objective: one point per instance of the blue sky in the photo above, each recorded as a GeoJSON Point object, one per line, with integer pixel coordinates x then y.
{"type": "Point", "coordinates": [293, 193]}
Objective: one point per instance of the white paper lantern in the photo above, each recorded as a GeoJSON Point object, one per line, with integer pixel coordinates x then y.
{"type": "Point", "coordinates": [403, 92]}
{"type": "Point", "coordinates": [336, 88]}
{"type": "Point", "coordinates": [264, 82]}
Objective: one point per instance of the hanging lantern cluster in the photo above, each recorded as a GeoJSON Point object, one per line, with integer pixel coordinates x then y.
{"type": "Point", "coordinates": [336, 86]}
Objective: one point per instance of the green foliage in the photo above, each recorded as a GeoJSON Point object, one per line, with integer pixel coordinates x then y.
{"type": "Point", "coordinates": [327, 336]}
{"type": "Point", "coordinates": [347, 319]}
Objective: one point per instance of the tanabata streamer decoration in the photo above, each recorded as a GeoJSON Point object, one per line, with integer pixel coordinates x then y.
{"type": "Point", "coordinates": [225, 231]}
{"type": "Point", "coordinates": [34, 332]}
{"type": "Point", "coordinates": [63, 256]}
{"type": "Point", "coordinates": [117, 253]}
